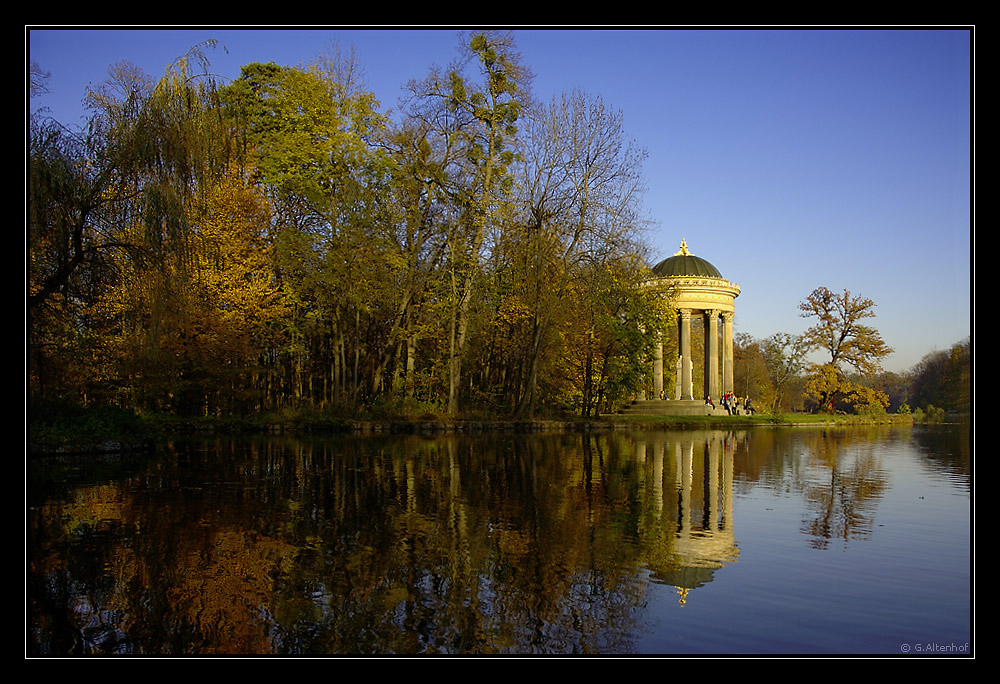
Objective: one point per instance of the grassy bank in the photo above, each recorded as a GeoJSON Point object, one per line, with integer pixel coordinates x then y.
{"type": "Point", "coordinates": [54, 427]}
{"type": "Point", "coordinates": [758, 420]}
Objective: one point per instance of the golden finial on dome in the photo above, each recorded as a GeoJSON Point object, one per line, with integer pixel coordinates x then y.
{"type": "Point", "coordinates": [684, 249]}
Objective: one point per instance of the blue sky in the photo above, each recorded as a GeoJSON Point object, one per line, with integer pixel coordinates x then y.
{"type": "Point", "coordinates": [790, 159]}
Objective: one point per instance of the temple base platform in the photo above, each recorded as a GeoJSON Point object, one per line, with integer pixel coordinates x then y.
{"type": "Point", "coordinates": [675, 407]}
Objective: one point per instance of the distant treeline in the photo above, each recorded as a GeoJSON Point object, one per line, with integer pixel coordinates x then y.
{"type": "Point", "coordinates": [942, 380]}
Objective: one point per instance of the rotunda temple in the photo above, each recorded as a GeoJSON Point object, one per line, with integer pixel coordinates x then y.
{"type": "Point", "coordinates": [698, 289]}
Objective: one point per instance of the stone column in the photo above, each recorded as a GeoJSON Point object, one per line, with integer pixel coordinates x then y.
{"type": "Point", "coordinates": [727, 351]}
{"type": "Point", "coordinates": [658, 367]}
{"type": "Point", "coordinates": [684, 342]}
{"type": "Point", "coordinates": [712, 354]}
{"type": "Point", "coordinates": [677, 377]}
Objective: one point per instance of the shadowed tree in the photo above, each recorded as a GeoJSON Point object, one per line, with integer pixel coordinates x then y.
{"type": "Point", "coordinates": [115, 197]}
{"type": "Point", "coordinates": [483, 115]}
{"type": "Point", "coordinates": [580, 196]}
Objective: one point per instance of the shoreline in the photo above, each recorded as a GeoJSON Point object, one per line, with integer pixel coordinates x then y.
{"type": "Point", "coordinates": [68, 439]}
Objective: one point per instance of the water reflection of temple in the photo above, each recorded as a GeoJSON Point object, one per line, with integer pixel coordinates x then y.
{"type": "Point", "coordinates": [692, 490]}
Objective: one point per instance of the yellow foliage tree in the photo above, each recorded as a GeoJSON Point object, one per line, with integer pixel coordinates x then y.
{"type": "Point", "coordinates": [867, 399]}
{"type": "Point", "coordinates": [234, 269]}
{"type": "Point", "coordinates": [234, 299]}
{"type": "Point", "coordinates": [839, 331]}
{"type": "Point", "coordinates": [192, 331]}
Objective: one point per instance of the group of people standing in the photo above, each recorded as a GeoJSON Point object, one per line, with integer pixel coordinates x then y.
{"type": "Point", "coordinates": [733, 404]}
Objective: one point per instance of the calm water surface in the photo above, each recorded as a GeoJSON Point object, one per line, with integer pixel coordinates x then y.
{"type": "Point", "coordinates": [766, 541]}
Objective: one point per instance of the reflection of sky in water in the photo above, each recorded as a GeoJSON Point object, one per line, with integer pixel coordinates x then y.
{"type": "Point", "coordinates": [903, 580]}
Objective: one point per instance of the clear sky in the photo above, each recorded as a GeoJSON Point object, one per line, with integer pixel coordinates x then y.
{"type": "Point", "coordinates": [790, 159]}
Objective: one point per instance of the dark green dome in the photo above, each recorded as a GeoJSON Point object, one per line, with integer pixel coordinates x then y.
{"type": "Point", "coordinates": [683, 263]}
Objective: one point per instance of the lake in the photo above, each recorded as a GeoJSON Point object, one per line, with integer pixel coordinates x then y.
{"type": "Point", "coordinates": [776, 541]}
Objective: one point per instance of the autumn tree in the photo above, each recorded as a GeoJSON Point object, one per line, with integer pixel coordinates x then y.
{"type": "Point", "coordinates": [751, 371]}
{"type": "Point", "coordinates": [424, 154]}
{"type": "Point", "coordinates": [112, 198]}
{"type": "Point", "coordinates": [78, 192]}
{"type": "Point", "coordinates": [482, 112]}
{"type": "Point", "coordinates": [312, 138]}
{"type": "Point", "coordinates": [784, 355]}
{"type": "Point", "coordinates": [840, 332]}
{"type": "Point", "coordinates": [615, 321]}
{"type": "Point", "coordinates": [578, 191]}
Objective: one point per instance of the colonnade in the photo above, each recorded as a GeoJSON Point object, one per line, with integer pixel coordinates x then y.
{"type": "Point", "coordinates": [718, 361]}
{"type": "Point", "coordinates": [696, 288]}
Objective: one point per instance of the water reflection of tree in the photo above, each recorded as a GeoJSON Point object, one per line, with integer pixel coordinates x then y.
{"type": "Point", "coordinates": [526, 545]}
{"type": "Point", "coordinates": [838, 473]}
{"type": "Point", "coordinates": [844, 486]}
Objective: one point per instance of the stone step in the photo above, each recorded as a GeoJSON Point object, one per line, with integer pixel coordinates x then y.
{"type": "Point", "coordinates": [675, 407]}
